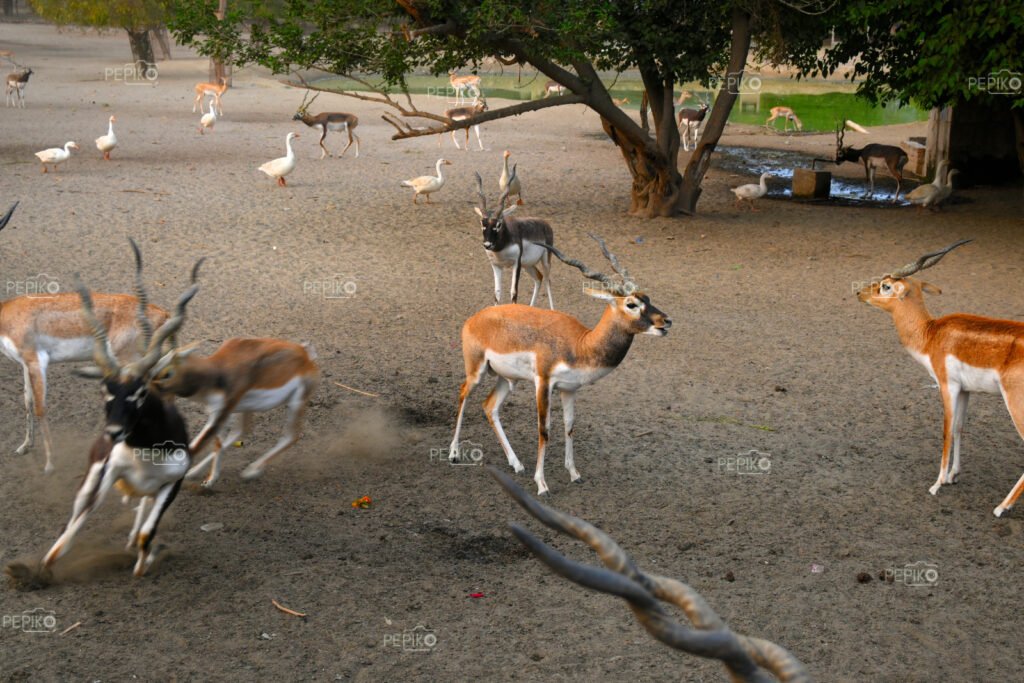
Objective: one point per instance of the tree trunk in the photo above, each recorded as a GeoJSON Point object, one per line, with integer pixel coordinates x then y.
{"type": "Point", "coordinates": [142, 48]}
{"type": "Point", "coordinates": [701, 159]}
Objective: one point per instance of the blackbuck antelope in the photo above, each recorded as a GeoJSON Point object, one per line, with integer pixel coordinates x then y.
{"type": "Point", "coordinates": [515, 242]}
{"type": "Point", "coordinates": [242, 377]}
{"type": "Point", "coordinates": [787, 115]}
{"type": "Point", "coordinates": [215, 90]}
{"type": "Point", "coordinates": [16, 88]}
{"type": "Point", "coordinates": [874, 157]}
{"type": "Point", "coordinates": [703, 634]}
{"type": "Point", "coordinates": [553, 88]}
{"type": "Point", "coordinates": [689, 124]}
{"type": "Point", "coordinates": [553, 352]}
{"type": "Point", "coordinates": [327, 121]}
{"type": "Point", "coordinates": [39, 329]}
{"type": "Point", "coordinates": [460, 84]}
{"type": "Point", "coordinates": [143, 450]}
{"type": "Point", "coordinates": [461, 114]}
{"type": "Point", "coordinates": [963, 354]}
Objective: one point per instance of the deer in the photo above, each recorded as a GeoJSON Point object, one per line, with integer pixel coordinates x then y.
{"type": "Point", "coordinates": [874, 157]}
{"type": "Point", "coordinates": [327, 121]}
{"type": "Point", "coordinates": [216, 90]}
{"type": "Point", "coordinates": [515, 242]}
{"type": "Point", "coordinates": [39, 329]}
{"type": "Point", "coordinates": [463, 83]}
{"type": "Point", "coordinates": [143, 450]}
{"type": "Point", "coordinates": [552, 351]}
{"type": "Point", "coordinates": [747, 659]}
{"type": "Point", "coordinates": [788, 116]}
{"type": "Point", "coordinates": [243, 376]}
{"type": "Point", "coordinates": [16, 83]}
{"type": "Point", "coordinates": [553, 88]}
{"type": "Point", "coordinates": [689, 123]}
{"type": "Point", "coordinates": [461, 114]}
{"type": "Point", "coordinates": [963, 353]}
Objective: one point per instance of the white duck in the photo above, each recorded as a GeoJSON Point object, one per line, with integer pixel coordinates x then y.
{"type": "Point", "coordinates": [282, 166]}
{"type": "Point", "coordinates": [56, 155]}
{"type": "Point", "coordinates": [946, 190]}
{"type": "Point", "coordinates": [925, 195]}
{"type": "Point", "coordinates": [107, 143]}
{"type": "Point", "coordinates": [208, 119]}
{"type": "Point", "coordinates": [426, 184]}
{"type": "Point", "coordinates": [517, 185]}
{"type": "Point", "coordinates": [751, 192]}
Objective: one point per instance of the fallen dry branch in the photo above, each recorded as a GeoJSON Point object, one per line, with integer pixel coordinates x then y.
{"type": "Point", "coordinates": [287, 610]}
{"type": "Point", "coordinates": [358, 391]}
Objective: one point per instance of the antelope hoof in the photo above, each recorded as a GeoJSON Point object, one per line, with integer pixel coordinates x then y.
{"type": "Point", "coordinates": [1000, 511]}
{"type": "Point", "coordinates": [577, 480]}
{"type": "Point", "coordinates": [935, 488]}
{"type": "Point", "coordinates": [545, 494]}
{"type": "Point", "coordinates": [47, 468]}
{"type": "Point", "coordinates": [518, 468]}
{"type": "Point", "coordinates": [250, 473]}
{"type": "Point", "coordinates": [20, 450]}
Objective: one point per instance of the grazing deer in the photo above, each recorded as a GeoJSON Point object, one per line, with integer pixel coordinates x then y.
{"type": "Point", "coordinates": [515, 242]}
{"type": "Point", "coordinates": [143, 450]}
{"type": "Point", "coordinates": [963, 354]}
{"type": "Point", "coordinates": [16, 87]}
{"type": "Point", "coordinates": [747, 659]}
{"type": "Point", "coordinates": [788, 116]}
{"type": "Point", "coordinates": [461, 114]}
{"type": "Point", "coordinates": [552, 351]}
{"type": "Point", "coordinates": [39, 329]}
{"type": "Point", "coordinates": [216, 90]}
{"type": "Point", "coordinates": [553, 88]}
{"type": "Point", "coordinates": [243, 376]}
{"type": "Point", "coordinates": [326, 121]}
{"type": "Point", "coordinates": [463, 83]}
{"type": "Point", "coordinates": [874, 157]}
{"type": "Point", "coordinates": [689, 124]}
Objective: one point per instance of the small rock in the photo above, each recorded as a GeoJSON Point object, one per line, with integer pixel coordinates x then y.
{"type": "Point", "coordinates": [729, 576]}
{"type": "Point", "coordinates": [863, 577]}
{"type": "Point", "coordinates": [212, 526]}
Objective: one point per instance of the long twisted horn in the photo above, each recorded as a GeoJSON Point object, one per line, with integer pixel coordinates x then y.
{"type": "Point", "coordinates": [747, 659]}
{"type": "Point", "coordinates": [587, 272]}
{"type": "Point", "coordinates": [101, 344]}
{"type": "Point", "coordinates": [480, 192]}
{"type": "Point", "coordinates": [169, 328]}
{"type": "Point", "coordinates": [7, 216]}
{"type": "Point", "coordinates": [616, 266]}
{"type": "Point", "coordinates": [140, 293]}
{"type": "Point", "coordinates": [926, 261]}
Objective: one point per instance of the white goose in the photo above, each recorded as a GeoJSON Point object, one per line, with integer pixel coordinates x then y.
{"type": "Point", "coordinates": [751, 192]}
{"type": "Point", "coordinates": [208, 119]}
{"type": "Point", "coordinates": [946, 190]}
{"type": "Point", "coordinates": [426, 184]}
{"type": "Point", "coordinates": [517, 185]}
{"type": "Point", "coordinates": [107, 143]}
{"type": "Point", "coordinates": [925, 195]}
{"type": "Point", "coordinates": [282, 166]}
{"type": "Point", "coordinates": [56, 155]}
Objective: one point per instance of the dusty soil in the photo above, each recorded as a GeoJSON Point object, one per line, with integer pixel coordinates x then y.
{"type": "Point", "coordinates": [769, 352]}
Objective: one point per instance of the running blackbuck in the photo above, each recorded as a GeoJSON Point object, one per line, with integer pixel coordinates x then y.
{"type": "Point", "coordinates": [143, 450]}
{"type": "Point", "coordinates": [963, 354]}
{"type": "Point", "coordinates": [553, 352]}
{"type": "Point", "coordinates": [41, 328]}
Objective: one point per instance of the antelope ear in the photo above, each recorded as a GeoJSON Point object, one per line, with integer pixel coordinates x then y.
{"type": "Point", "coordinates": [172, 356]}
{"type": "Point", "coordinates": [901, 289]}
{"type": "Point", "coordinates": [599, 294]}
{"type": "Point", "coordinates": [479, 212]}
{"type": "Point", "coordinates": [508, 210]}
{"type": "Point", "coordinates": [89, 372]}
{"type": "Point", "coordinates": [929, 288]}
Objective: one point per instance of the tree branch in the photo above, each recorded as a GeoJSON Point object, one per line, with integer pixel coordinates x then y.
{"type": "Point", "coordinates": [407, 131]}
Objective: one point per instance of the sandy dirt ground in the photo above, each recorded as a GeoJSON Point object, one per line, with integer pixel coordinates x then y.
{"type": "Point", "coordinates": [770, 352]}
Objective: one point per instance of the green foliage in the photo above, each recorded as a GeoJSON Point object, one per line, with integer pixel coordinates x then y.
{"type": "Point", "coordinates": [126, 14]}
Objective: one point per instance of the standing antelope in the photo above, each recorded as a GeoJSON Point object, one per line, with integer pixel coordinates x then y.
{"type": "Point", "coordinates": [463, 83]}
{"type": "Point", "coordinates": [963, 354]}
{"type": "Point", "coordinates": [143, 450]}
{"type": "Point", "coordinates": [39, 329]}
{"type": "Point", "coordinates": [874, 157]}
{"type": "Point", "coordinates": [515, 242]}
{"type": "Point", "coordinates": [461, 114]}
{"type": "Point", "coordinates": [788, 116]}
{"type": "Point", "coordinates": [242, 377]}
{"type": "Point", "coordinates": [689, 123]}
{"type": "Point", "coordinates": [553, 88]}
{"type": "Point", "coordinates": [553, 352]}
{"type": "Point", "coordinates": [16, 87]}
{"type": "Point", "coordinates": [325, 121]}
{"type": "Point", "coordinates": [216, 90]}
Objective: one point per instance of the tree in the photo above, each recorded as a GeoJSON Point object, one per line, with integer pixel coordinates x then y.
{"type": "Point", "coordinates": [569, 41]}
{"type": "Point", "coordinates": [136, 17]}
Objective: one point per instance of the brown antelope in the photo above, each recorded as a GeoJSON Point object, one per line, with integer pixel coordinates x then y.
{"type": "Point", "coordinates": [788, 116]}
{"type": "Point", "coordinates": [461, 114]}
{"type": "Point", "coordinates": [43, 328]}
{"type": "Point", "coordinates": [553, 88]}
{"type": "Point", "coordinates": [963, 354]}
{"type": "Point", "coordinates": [215, 90]}
{"type": "Point", "coordinates": [463, 83]}
{"type": "Point", "coordinates": [874, 157]}
{"type": "Point", "coordinates": [689, 124]}
{"type": "Point", "coordinates": [326, 121]}
{"type": "Point", "coordinates": [515, 242]}
{"type": "Point", "coordinates": [16, 87]}
{"type": "Point", "coordinates": [552, 351]}
{"type": "Point", "coordinates": [143, 450]}
{"type": "Point", "coordinates": [703, 634]}
{"type": "Point", "coordinates": [242, 377]}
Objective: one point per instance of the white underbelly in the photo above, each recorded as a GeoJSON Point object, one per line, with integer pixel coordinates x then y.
{"type": "Point", "coordinates": [146, 470]}
{"type": "Point", "coordinates": [971, 378]}
{"type": "Point", "coordinates": [532, 253]}
{"type": "Point", "coordinates": [66, 350]}
{"type": "Point", "coordinates": [337, 126]}
{"type": "Point", "coordinates": [259, 400]}
{"type": "Point", "coordinates": [925, 361]}
{"type": "Point", "coordinates": [565, 377]}
{"type": "Point", "coordinates": [515, 366]}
